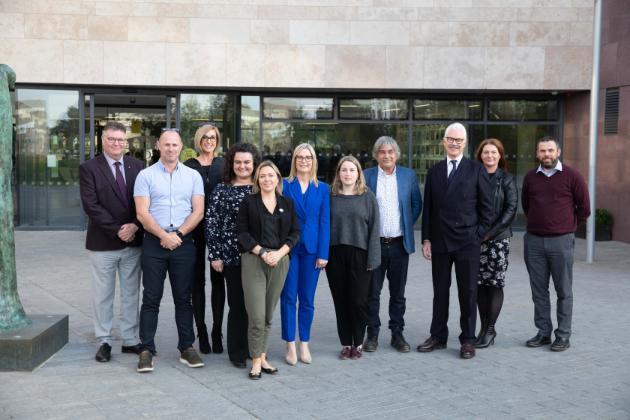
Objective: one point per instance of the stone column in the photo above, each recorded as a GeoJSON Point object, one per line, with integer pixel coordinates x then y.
{"type": "Point", "coordinates": [12, 314]}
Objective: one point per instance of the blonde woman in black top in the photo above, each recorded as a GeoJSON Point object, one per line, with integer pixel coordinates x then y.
{"type": "Point", "coordinates": [267, 229]}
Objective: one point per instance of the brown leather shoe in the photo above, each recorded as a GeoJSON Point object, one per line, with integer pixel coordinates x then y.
{"type": "Point", "coordinates": [467, 351]}
{"type": "Point", "coordinates": [431, 343]}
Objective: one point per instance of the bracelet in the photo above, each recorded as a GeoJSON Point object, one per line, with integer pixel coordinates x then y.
{"type": "Point", "coordinates": [179, 233]}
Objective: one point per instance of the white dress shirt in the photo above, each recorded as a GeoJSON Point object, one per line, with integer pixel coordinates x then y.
{"type": "Point", "coordinates": [387, 198]}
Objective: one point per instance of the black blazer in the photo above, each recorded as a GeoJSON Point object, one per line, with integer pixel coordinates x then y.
{"type": "Point", "coordinates": [249, 227]}
{"type": "Point", "coordinates": [104, 204]}
{"type": "Point", "coordinates": [458, 214]}
{"type": "Point", "coordinates": [505, 200]}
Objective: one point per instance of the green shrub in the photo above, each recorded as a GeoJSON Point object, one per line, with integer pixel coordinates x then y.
{"type": "Point", "coordinates": [603, 217]}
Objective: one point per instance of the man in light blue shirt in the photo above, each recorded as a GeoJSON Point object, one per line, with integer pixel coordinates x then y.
{"type": "Point", "coordinates": [169, 199]}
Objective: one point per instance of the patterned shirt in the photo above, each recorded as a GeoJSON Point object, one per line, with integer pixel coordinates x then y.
{"type": "Point", "coordinates": [220, 221]}
{"type": "Point", "coordinates": [387, 197]}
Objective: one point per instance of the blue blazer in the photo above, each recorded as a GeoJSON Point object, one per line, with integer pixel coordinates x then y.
{"type": "Point", "coordinates": [409, 200]}
{"type": "Point", "coordinates": [313, 212]}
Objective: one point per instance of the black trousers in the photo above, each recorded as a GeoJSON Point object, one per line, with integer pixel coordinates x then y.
{"type": "Point", "coordinates": [179, 264]}
{"type": "Point", "coordinates": [237, 347]}
{"type": "Point", "coordinates": [349, 283]}
{"type": "Point", "coordinates": [217, 294]}
{"type": "Point", "coordinates": [394, 264]}
{"type": "Point", "coordinates": [466, 261]}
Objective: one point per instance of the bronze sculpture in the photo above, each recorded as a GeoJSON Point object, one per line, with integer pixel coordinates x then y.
{"type": "Point", "coordinates": [12, 314]}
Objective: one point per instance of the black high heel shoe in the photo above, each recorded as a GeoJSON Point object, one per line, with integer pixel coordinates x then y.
{"type": "Point", "coordinates": [269, 371]}
{"type": "Point", "coordinates": [217, 344]}
{"type": "Point", "coordinates": [204, 345]}
{"type": "Point", "coordinates": [255, 376]}
{"type": "Point", "coordinates": [486, 339]}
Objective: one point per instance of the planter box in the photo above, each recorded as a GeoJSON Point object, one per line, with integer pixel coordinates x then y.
{"type": "Point", "coordinates": [602, 232]}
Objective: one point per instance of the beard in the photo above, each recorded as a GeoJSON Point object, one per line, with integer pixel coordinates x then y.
{"type": "Point", "coordinates": [549, 164]}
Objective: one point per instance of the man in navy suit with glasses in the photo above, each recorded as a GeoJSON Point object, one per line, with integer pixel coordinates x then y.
{"type": "Point", "coordinates": [458, 212]}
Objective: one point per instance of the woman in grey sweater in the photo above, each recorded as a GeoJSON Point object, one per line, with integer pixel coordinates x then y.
{"type": "Point", "coordinates": [354, 252]}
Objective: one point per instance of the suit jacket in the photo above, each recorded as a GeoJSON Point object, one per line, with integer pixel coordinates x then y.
{"type": "Point", "coordinates": [249, 222]}
{"type": "Point", "coordinates": [313, 213]}
{"type": "Point", "coordinates": [104, 204]}
{"type": "Point", "coordinates": [458, 214]}
{"type": "Point", "coordinates": [409, 200]}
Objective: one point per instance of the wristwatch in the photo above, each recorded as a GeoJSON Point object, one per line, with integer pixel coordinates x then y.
{"type": "Point", "coordinates": [179, 233]}
{"type": "Point", "coordinates": [261, 252]}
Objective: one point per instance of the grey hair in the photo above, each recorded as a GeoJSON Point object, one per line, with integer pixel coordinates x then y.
{"type": "Point", "coordinates": [456, 126]}
{"type": "Point", "coordinates": [382, 141]}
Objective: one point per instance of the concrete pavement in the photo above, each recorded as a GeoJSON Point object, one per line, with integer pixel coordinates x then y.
{"type": "Point", "coordinates": [507, 380]}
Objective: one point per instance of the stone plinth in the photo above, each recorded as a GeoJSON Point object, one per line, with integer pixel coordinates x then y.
{"type": "Point", "coordinates": [27, 348]}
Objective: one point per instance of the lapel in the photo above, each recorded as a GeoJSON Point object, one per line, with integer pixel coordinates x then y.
{"type": "Point", "coordinates": [459, 174]}
{"type": "Point", "coordinates": [299, 204]}
{"type": "Point", "coordinates": [373, 180]}
{"type": "Point", "coordinates": [400, 187]}
{"type": "Point", "coordinates": [130, 177]}
{"type": "Point", "coordinates": [109, 176]}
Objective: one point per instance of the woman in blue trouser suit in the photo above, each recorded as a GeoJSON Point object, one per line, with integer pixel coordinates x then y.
{"type": "Point", "coordinates": [312, 205]}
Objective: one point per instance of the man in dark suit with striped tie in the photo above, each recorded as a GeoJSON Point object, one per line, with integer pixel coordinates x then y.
{"type": "Point", "coordinates": [113, 238]}
{"type": "Point", "coordinates": [457, 213]}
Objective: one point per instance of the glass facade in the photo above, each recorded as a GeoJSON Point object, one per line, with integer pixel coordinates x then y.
{"type": "Point", "coordinates": [48, 140]}
{"type": "Point", "coordinates": [47, 164]}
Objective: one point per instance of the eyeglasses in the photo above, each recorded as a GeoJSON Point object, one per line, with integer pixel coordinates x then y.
{"type": "Point", "coordinates": [165, 129]}
{"type": "Point", "coordinates": [304, 158]}
{"type": "Point", "coordinates": [453, 140]}
{"type": "Point", "coordinates": [112, 140]}
{"type": "Point", "coordinates": [208, 138]}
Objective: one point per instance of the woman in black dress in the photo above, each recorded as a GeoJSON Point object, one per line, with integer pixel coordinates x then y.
{"type": "Point", "coordinates": [210, 167]}
{"type": "Point", "coordinates": [223, 206]}
{"type": "Point", "coordinates": [495, 247]}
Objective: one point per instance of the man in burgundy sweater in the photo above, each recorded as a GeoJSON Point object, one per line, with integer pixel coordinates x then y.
{"type": "Point", "coordinates": [555, 198]}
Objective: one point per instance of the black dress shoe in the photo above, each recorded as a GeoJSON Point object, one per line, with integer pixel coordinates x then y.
{"type": "Point", "coordinates": [104, 353]}
{"type": "Point", "coordinates": [467, 351]}
{"type": "Point", "coordinates": [241, 364]}
{"type": "Point", "coordinates": [370, 344]}
{"type": "Point", "coordinates": [431, 344]}
{"type": "Point", "coordinates": [538, 340]}
{"type": "Point", "coordinates": [269, 371]}
{"type": "Point", "coordinates": [255, 376]}
{"type": "Point", "coordinates": [136, 349]}
{"type": "Point", "coordinates": [560, 344]}
{"type": "Point", "coordinates": [398, 342]}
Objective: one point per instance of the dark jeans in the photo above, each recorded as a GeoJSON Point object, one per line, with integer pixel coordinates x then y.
{"type": "Point", "coordinates": [237, 346]}
{"type": "Point", "coordinates": [394, 263]}
{"type": "Point", "coordinates": [349, 283]}
{"type": "Point", "coordinates": [217, 294]}
{"type": "Point", "coordinates": [545, 257]}
{"type": "Point", "coordinates": [179, 264]}
{"type": "Point", "coordinates": [466, 261]}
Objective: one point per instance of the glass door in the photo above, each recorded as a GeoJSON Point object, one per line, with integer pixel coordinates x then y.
{"type": "Point", "coordinates": [143, 115]}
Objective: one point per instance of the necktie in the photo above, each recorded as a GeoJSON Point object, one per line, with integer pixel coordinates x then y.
{"type": "Point", "coordinates": [450, 176]}
{"type": "Point", "coordinates": [120, 180]}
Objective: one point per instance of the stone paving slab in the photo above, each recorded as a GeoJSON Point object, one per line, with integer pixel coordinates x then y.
{"type": "Point", "coordinates": [508, 380]}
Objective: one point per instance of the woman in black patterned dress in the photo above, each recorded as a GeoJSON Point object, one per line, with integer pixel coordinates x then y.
{"type": "Point", "coordinates": [495, 247]}
{"type": "Point", "coordinates": [241, 161]}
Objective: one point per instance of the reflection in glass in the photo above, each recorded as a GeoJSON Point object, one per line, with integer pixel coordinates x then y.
{"type": "Point", "coordinates": [331, 141]}
{"type": "Point", "coordinates": [250, 119]}
{"type": "Point", "coordinates": [523, 110]}
{"type": "Point", "coordinates": [430, 109]}
{"type": "Point", "coordinates": [373, 109]}
{"type": "Point", "coordinates": [47, 143]}
{"type": "Point", "coordinates": [197, 110]}
{"type": "Point", "coordinates": [297, 108]}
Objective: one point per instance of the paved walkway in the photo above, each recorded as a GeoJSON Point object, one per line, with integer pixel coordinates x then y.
{"type": "Point", "coordinates": [508, 380]}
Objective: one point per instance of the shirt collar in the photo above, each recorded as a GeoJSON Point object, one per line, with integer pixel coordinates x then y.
{"type": "Point", "coordinates": [558, 167]}
{"type": "Point", "coordinates": [111, 161]}
{"type": "Point", "coordinates": [458, 159]}
{"type": "Point", "coordinates": [163, 168]}
{"type": "Point", "coordinates": [381, 172]}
